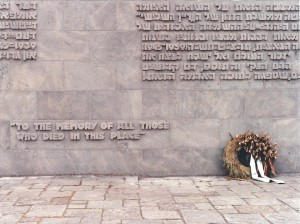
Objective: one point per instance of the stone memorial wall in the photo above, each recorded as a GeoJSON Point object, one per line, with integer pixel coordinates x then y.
{"type": "Point", "coordinates": [127, 87]}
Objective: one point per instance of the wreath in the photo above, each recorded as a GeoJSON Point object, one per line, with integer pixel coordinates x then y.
{"type": "Point", "coordinates": [238, 151]}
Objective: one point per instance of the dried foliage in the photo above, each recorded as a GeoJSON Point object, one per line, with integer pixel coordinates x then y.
{"type": "Point", "coordinates": [238, 150]}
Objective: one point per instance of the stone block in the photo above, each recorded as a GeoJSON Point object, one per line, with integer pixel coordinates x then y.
{"type": "Point", "coordinates": [240, 218]}
{"type": "Point", "coordinates": [266, 201]}
{"type": "Point", "coordinates": [208, 161]}
{"type": "Point", "coordinates": [148, 214]}
{"type": "Point", "coordinates": [105, 204]}
{"type": "Point", "coordinates": [63, 105]}
{"type": "Point", "coordinates": [240, 126]}
{"type": "Point", "coordinates": [4, 135]}
{"type": "Point", "coordinates": [126, 15]}
{"type": "Point", "coordinates": [202, 216]}
{"type": "Point", "coordinates": [18, 105]}
{"type": "Point", "coordinates": [205, 85]}
{"type": "Point", "coordinates": [4, 76]}
{"type": "Point", "coordinates": [156, 139]}
{"type": "Point", "coordinates": [63, 45]}
{"type": "Point", "coordinates": [14, 163]}
{"type": "Point", "coordinates": [283, 84]}
{"type": "Point", "coordinates": [103, 15]}
{"type": "Point", "coordinates": [37, 76]}
{"type": "Point", "coordinates": [286, 132]}
{"type": "Point", "coordinates": [53, 220]}
{"type": "Point", "coordinates": [114, 46]}
{"type": "Point", "coordinates": [91, 213]}
{"type": "Point", "coordinates": [166, 162]}
{"type": "Point", "coordinates": [121, 214]}
{"type": "Point", "coordinates": [81, 75]}
{"type": "Point", "coordinates": [129, 75]}
{"type": "Point", "coordinates": [288, 159]}
{"type": "Point", "coordinates": [195, 134]}
{"type": "Point", "coordinates": [286, 216]}
{"type": "Point", "coordinates": [243, 84]}
{"type": "Point", "coordinates": [225, 200]}
{"type": "Point", "coordinates": [56, 162]}
{"type": "Point", "coordinates": [219, 104]}
{"type": "Point", "coordinates": [116, 105]}
{"type": "Point", "coordinates": [89, 15]}
{"type": "Point", "coordinates": [167, 104]}
{"type": "Point", "coordinates": [271, 103]}
{"type": "Point", "coordinates": [50, 15]}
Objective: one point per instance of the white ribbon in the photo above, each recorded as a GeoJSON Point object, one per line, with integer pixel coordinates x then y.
{"type": "Point", "coordinates": [262, 177]}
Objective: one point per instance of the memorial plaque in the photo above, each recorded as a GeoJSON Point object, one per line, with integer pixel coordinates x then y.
{"type": "Point", "coordinates": [145, 87]}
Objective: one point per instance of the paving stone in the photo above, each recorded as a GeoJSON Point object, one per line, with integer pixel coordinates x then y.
{"type": "Point", "coordinates": [88, 195]}
{"type": "Point", "coordinates": [25, 193]}
{"type": "Point", "coordinates": [60, 201]}
{"type": "Point", "coordinates": [283, 208]}
{"type": "Point", "coordinates": [105, 204]}
{"type": "Point", "coordinates": [142, 221]}
{"type": "Point", "coordinates": [32, 201]}
{"type": "Point", "coordinates": [121, 214]}
{"type": "Point", "coordinates": [131, 203]}
{"type": "Point", "coordinates": [91, 213]}
{"type": "Point", "coordinates": [10, 219]}
{"type": "Point", "coordinates": [76, 188]}
{"type": "Point", "coordinates": [55, 194]}
{"type": "Point", "coordinates": [277, 218]}
{"type": "Point", "coordinates": [293, 202]}
{"type": "Point", "coordinates": [177, 206]}
{"type": "Point", "coordinates": [46, 210]}
{"type": "Point", "coordinates": [30, 219]}
{"type": "Point", "coordinates": [263, 201]}
{"type": "Point", "coordinates": [146, 201]}
{"type": "Point", "coordinates": [204, 206]}
{"type": "Point", "coordinates": [39, 186]}
{"type": "Point", "coordinates": [173, 222]}
{"type": "Point", "coordinates": [148, 214]}
{"type": "Point", "coordinates": [113, 222]}
{"type": "Point", "coordinates": [190, 199]}
{"type": "Point", "coordinates": [225, 200]}
{"type": "Point", "coordinates": [61, 221]}
{"type": "Point", "coordinates": [91, 221]}
{"type": "Point", "coordinates": [245, 218]}
{"type": "Point", "coordinates": [76, 206]}
{"type": "Point", "coordinates": [197, 217]}
{"type": "Point", "coordinates": [254, 209]}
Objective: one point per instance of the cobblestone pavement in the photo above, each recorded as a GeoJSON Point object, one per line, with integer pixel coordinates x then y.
{"type": "Point", "coordinates": [132, 200]}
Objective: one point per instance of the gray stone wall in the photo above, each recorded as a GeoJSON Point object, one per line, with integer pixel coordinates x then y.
{"type": "Point", "coordinates": [88, 68]}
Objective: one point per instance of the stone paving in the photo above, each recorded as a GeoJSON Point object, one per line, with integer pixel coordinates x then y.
{"type": "Point", "coordinates": [93, 199]}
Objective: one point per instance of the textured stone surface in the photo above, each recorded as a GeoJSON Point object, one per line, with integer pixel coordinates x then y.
{"type": "Point", "coordinates": [196, 216]}
{"type": "Point", "coordinates": [4, 76]}
{"type": "Point", "coordinates": [90, 75]}
{"type": "Point", "coordinates": [89, 67]}
{"type": "Point", "coordinates": [63, 105]}
{"type": "Point", "coordinates": [18, 105]}
{"type": "Point", "coordinates": [169, 200]}
{"type": "Point", "coordinates": [4, 135]}
{"type": "Point", "coordinates": [195, 133]}
{"type": "Point", "coordinates": [167, 104]}
{"type": "Point", "coordinates": [219, 104]}
{"type": "Point", "coordinates": [63, 45]}
{"type": "Point", "coordinates": [37, 76]}
{"type": "Point", "coordinates": [116, 104]}
{"type": "Point", "coordinates": [106, 45]}
{"type": "Point", "coordinates": [271, 104]}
